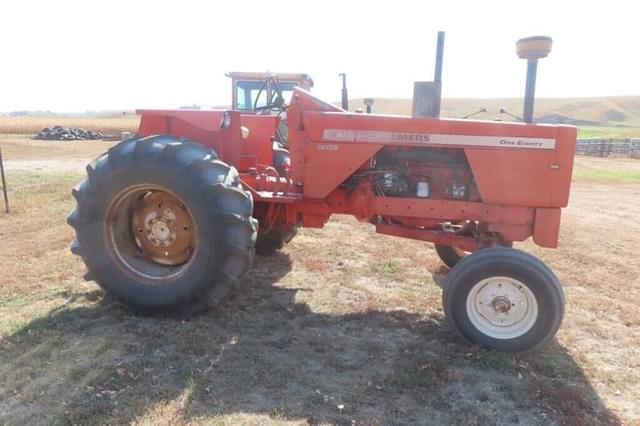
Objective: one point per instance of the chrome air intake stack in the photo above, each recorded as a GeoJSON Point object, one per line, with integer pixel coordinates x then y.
{"type": "Point", "coordinates": [532, 49]}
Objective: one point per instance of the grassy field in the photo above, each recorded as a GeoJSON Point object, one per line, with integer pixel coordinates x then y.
{"type": "Point", "coordinates": [343, 327]}
{"type": "Point", "coordinates": [608, 131]}
{"type": "Point", "coordinates": [600, 170]}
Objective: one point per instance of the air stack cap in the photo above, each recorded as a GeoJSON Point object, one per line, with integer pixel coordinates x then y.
{"type": "Point", "coordinates": [535, 47]}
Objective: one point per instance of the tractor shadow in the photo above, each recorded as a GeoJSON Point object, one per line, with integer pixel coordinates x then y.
{"type": "Point", "coordinates": [264, 354]}
{"type": "Point", "coordinates": [439, 275]}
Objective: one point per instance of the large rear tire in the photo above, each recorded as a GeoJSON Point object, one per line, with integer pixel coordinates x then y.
{"type": "Point", "coordinates": [450, 255]}
{"type": "Point", "coordinates": [503, 299]}
{"type": "Point", "coordinates": [163, 225]}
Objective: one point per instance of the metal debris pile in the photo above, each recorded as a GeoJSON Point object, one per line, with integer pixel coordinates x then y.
{"type": "Point", "coordinates": [59, 133]}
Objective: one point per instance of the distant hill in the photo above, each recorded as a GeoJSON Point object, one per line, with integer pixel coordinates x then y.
{"type": "Point", "coordinates": [616, 116]}
{"type": "Point", "coordinates": [624, 109]}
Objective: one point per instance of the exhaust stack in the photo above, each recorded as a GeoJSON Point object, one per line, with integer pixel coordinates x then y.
{"type": "Point", "coordinates": [427, 95]}
{"type": "Point", "coordinates": [532, 49]}
{"type": "Point", "coordinates": [437, 75]}
{"type": "Point", "coordinates": [345, 92]}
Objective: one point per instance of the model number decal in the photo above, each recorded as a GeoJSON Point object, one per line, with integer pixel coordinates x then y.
{"type": "Point", "coordinates": [527, 143]}
{"type": "Point", "coordinates": [374, 136]}
{"type": "Point", "coordinates": [327, 147]}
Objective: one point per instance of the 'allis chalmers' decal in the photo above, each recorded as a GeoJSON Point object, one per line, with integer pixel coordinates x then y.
{"type": "Point", "coordinates": [374, 136]}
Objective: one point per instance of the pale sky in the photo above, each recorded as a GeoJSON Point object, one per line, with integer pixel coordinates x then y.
{"type": "Point", "coordinates": [90, 55]}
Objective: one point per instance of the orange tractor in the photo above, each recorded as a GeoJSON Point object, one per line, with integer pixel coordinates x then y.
{"type": "Point", "coordinates": [171, 219]}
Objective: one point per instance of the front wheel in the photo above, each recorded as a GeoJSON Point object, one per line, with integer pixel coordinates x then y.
{"type": "Point", "coordinates": [504, 299]}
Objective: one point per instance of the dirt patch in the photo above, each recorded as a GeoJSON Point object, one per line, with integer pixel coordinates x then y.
{"type": "Point", "coordinates": [618, 164]}
{"type": "Point", "coordinates": [23, 153]}
{"type": "Point", "coordinates": [23, 147]}
{"type": "Point", "coordinates": [48, 165]}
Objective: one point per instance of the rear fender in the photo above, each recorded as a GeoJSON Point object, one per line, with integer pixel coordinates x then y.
{"type": "Point", "coordinates": [203, 127]}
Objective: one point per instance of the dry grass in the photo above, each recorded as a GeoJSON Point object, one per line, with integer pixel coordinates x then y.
{"type": "Point", "coordinates": [343, 327]}
{"type": "Point", "coordinates": [595, 170]}
{"type": "Point", "coordinates": [32, 125]}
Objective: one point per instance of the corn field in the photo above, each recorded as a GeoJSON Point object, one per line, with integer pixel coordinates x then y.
{"type": "Point", "coordinates": [33, 125]}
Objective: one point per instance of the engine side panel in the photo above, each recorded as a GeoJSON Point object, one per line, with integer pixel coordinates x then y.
{"type": "Point", "coordinates": [536, 178]}
{"type": "Point", "coordinates": [512, 163]}
{"type": "Point", "coordinates": [334, 163]}
{"type": "Point", "coordinates": [513, 178]}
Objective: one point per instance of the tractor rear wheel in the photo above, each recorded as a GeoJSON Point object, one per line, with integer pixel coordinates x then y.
{"type": "Point", "coordinates": [503, 299]}
{"type": "Point", "coordinates": [450, 255]}
{"type": "Point", "coordinates": [163, 225]}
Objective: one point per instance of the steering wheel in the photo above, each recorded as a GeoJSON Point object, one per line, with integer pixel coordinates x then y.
{"type": "Point", "coordinates": [275, 101]}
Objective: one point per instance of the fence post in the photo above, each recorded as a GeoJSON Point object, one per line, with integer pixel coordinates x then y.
{"type": "Point", "coordinates": [4, 184]}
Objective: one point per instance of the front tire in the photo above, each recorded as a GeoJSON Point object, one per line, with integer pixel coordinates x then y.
{"type": "Point", "coordinates": [503, 299]}
{"type": "Point", "coordinates": [163, 225]}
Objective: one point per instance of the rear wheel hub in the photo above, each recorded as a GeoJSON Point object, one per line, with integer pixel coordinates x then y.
{"type": "Point", "coordinates": [150, 233]}
{"type": "Point", "coordinates": [163, 228]}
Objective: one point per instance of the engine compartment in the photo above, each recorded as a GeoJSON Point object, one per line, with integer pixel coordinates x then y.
{"type": "Point", "coordinates": [416, 172]}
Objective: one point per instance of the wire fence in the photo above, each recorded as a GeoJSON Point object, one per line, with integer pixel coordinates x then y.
{"type": "Point", "coordinates": [629, 148]}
